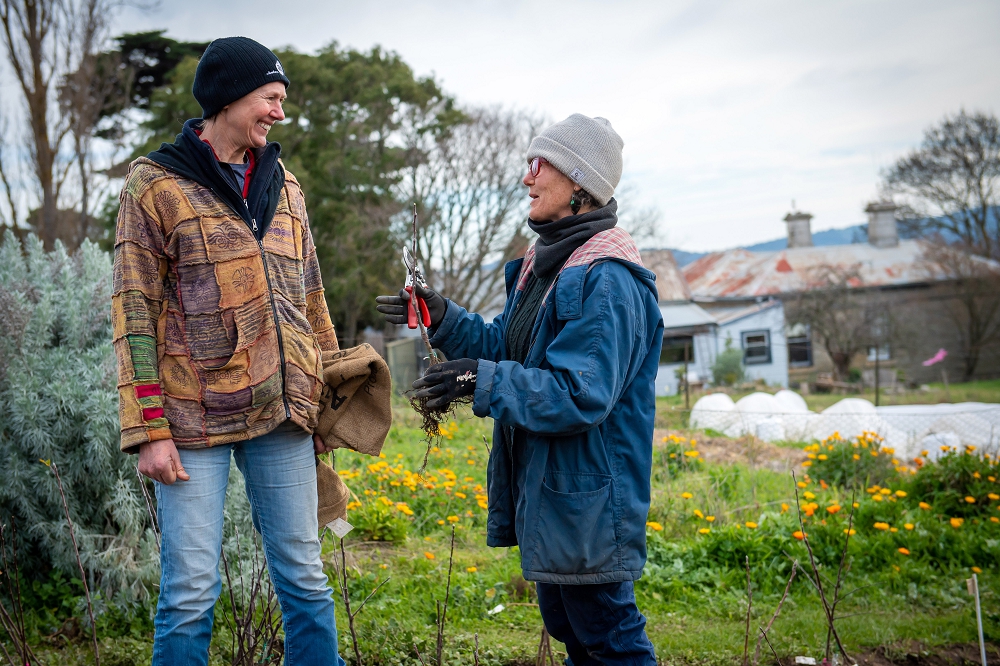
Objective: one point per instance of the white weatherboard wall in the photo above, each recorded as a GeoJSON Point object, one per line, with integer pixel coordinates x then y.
{"type": "Point", "coordinates": [771, 319]}
{"type": "Point", "coordinates": [699, 370]}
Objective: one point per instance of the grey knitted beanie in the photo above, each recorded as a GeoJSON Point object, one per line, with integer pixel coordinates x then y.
{"type": "Point", "coordinates": [230, 68]}
{"type": "Point", "coordinates": [587, 150]}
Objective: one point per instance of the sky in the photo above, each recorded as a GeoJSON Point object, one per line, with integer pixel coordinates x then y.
{"type": "Point", "coordinates": [729, 110]}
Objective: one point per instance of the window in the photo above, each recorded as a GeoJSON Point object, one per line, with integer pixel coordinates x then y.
{"type": "Point", "coordinates": [800, 350]}
{"type": "Point", "coordinates": [883, 353]}
{"type": "Point", "coordinates": [756, 347]}
{"type": "Point", "coordinates": [673, 349]}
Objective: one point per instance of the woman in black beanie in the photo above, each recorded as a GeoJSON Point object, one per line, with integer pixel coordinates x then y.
{"type": "Point", "coordinates": [220, 324]}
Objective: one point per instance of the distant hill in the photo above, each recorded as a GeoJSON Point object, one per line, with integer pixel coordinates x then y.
{"type": "Point", "coordinates": [856, 234]}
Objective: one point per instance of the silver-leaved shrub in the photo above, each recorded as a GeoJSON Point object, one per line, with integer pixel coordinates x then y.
{"type": "Point", "coordinates": [59, 403]}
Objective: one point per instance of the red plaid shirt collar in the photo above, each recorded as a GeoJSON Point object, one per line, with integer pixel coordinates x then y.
{"type": "Point", "coordinates": [615, 243]}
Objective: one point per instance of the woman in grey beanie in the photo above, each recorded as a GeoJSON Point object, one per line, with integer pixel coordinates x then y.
{"type": "Point", "coordinates": [566, 372]}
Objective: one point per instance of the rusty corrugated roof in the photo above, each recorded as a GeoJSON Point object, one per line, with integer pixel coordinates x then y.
{"type": "Point", "coordinates": [744, 274]}
{"type": "Point", "coordinates": [670, 282]}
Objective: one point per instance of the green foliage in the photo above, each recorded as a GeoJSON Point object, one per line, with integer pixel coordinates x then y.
{"type": "Point", "coordinates": [58, 402]}
{"type": "Point", "coordinates": [675, 455]}
{"type": "Point", "coordinates": [956, 478]}
{"type": "Point", "coordinates": [855, 464]}
{"type": "Point", "coordinates": [379, 521]}
{"type": "Point", "coordinates": [728, 368]}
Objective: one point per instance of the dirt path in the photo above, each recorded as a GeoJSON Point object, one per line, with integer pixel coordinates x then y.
{"type": "Point", "coordinates": [747, 450]}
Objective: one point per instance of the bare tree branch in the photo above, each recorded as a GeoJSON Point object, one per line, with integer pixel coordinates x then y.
{"type": "Point", "coordinates": [952, 182]}
{"type": "Point", "coordinates": [467, 185]}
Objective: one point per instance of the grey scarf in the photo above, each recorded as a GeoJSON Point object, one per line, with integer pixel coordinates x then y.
{"type": "Point", "coordinates": [557, 240]}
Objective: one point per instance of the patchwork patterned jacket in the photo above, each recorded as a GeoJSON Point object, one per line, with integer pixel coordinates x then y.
{"type": "Point", "coordinates": [218, 337]}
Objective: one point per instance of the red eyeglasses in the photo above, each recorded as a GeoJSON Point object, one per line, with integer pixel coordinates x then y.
{"type": "Point", "coordinates": [535, 164]}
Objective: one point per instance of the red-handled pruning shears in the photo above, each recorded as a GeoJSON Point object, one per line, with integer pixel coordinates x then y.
{"type": "Point", "coordinates": [413, 277]}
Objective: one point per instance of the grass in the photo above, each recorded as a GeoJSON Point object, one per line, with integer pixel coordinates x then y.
{"type": "Point", "coordinates": [692, 593]}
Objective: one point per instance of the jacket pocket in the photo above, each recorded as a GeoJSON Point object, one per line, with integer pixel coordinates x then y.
{"type": "Point", "coordinates": [576, 532]}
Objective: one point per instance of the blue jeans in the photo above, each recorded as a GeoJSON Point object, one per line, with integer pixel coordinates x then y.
{"type": "Point", "coordinates": [600, 624]}
{"type": "Point", "coordinates": [280, 473]}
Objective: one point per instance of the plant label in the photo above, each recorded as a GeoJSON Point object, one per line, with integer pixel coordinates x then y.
{"type": "Point", "coordinates": [340, 527]}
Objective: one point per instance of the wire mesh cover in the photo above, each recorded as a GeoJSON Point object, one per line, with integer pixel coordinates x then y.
{"type": "Point", "coordinates": [909, 429]}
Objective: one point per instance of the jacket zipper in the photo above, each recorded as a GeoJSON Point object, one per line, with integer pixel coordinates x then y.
{"type": "Point", "coordinates": [277, 328]}
{"type": "Point", "coordinates": [270, 298]}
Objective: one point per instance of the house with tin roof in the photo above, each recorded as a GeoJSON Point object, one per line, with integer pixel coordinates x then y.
{"type": "Point", "coordinates": [900, 273]}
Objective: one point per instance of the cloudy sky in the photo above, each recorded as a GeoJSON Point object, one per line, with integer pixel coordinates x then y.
{"type": "Point", "coordinates": [729, 110]}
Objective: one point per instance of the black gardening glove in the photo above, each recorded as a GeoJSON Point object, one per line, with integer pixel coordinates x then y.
{"type": "Point", "coordinates": [394, 307]}
{"type": "Point", "coordinates": [448, 381]}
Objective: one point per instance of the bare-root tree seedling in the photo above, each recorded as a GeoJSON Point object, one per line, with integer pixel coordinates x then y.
{"type": "Point", "coordinates": [746, 637]}
{"type": "Point", "coordinates": [544, 653]}
{"type": "Point", "coordinates": [763, 630]}
{"type": "Point", "coordinates": [76, 551]}
{"type": "Point", "coordinates": [149, 506]}
{"type": "Point", "coordinates": [815, 577]}
{"type": "Point", "coordinates": [341, 568]}
{"type": "Point", "coordinates": [442, 610]}
{"type": "Point", "coordinates": [12, 618]}
{"type": "Point", "coordinates": [254, 621]}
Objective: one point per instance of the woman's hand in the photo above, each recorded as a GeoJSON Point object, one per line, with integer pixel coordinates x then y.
{"type": "Point", "coordinates": [160, 461]}
{"type": "Point", "coordinates": [446, 382]}
{"type": "Point", "coordinates": [394, 307]}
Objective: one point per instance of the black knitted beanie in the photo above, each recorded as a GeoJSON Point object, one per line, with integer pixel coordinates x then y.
{"type": "Point", "coordinates": [230, 68]}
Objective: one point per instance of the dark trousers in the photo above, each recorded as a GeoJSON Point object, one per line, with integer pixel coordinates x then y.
{"type": "Point", "coordinates": [600, 624]}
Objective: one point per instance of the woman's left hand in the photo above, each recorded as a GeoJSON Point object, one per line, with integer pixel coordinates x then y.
{"type": "Point", "coordinates": [446, 382]}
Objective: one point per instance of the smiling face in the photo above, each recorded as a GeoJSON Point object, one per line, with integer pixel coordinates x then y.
{"type": "Point", "coordinates": [550, 193]}
{"type": "Point", "coordinates": [247, 121]}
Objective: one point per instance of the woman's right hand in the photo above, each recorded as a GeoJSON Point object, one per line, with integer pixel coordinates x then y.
{"type": "Point", "coordinates": [394, 307]}
{"type": "Point", "coordinates": [160, 461]}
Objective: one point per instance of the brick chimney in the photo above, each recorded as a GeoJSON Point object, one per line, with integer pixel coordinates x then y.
{"type": "Point", "coordinates": [799, 231]}
{"type": "Point", "coordinates": [882, 224]}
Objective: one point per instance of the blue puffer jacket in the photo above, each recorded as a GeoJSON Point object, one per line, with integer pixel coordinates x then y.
{"type": "Point", "coordinates": [585, 400]}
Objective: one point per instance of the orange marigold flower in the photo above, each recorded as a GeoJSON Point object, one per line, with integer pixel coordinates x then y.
{"type": "Point", "coordinates": [956, 522]}
{"type": "Point", "coordinates": [850, 532]}
{"type": "Point", "coordinates": [925, 506]}
{"type": "Point", "coordinates": [784, 507]}
{"type": "Point", "coordinates": [900, 493]}
{"type": "Point", "coordinates": [994, 496]}
{"type": "Point", "coordinates": [710, 519]}
{"type": "Point", "coordinates": [704, 530]}
{"type": "Point", "coordinates": [904, 551]}
{"type": "Point", "coordinates": [977, 570]}
{"type": "Point", "coordinates": [908, 526]}
{"type": "Point", "coordinates": [752, 525]}
{"type": "Point", "coordinates": [471, 569]}
{"type": "Point", "coordinates": [971, 500]}
{"type": "Point", "coordinates": [799, 534]}
{"type": "Point", "coordinates": [429, 555]}
{"type": "Point", "coordinates": [655, 526]}
{"type": "Point", "coordinates": [698, 513]}
{"type": "Point", "coordinates": [881, 526]}
{"type": "Point", "coordinates": [687, 495]}
{"type": "Point", "coordinates": [833, 509]}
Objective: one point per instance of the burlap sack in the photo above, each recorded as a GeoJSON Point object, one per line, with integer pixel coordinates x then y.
{"type": "Point", "coordinates": [355, 412]}
{"type": "Point", "coordinates": [355, 409]}
{"type": "Point", "coordinates": [333, 494]}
